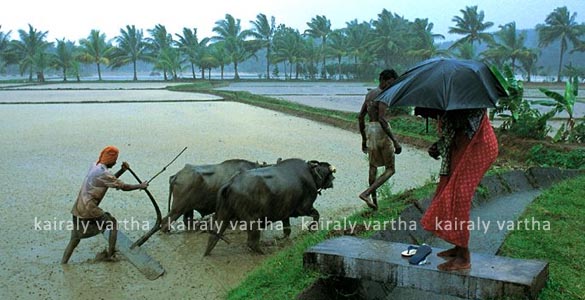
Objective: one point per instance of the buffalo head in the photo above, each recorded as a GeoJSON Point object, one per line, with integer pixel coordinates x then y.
{"type": "Point", "coordinates": [322, 174]}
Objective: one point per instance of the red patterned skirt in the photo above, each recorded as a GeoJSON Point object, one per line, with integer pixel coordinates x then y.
{"type": "Point", "coordinates": [448, 214]}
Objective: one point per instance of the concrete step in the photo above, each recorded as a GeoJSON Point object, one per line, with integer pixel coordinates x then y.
{"type": "Point", "coordinates": [492, 220]}
{"type": "Point", "coordinates": [380, 261]}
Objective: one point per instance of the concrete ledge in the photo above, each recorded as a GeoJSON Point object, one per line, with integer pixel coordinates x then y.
{"type": "Point", "coordinates": [490, 276]}
{"type": "Point", "coordinates": [546, 177]}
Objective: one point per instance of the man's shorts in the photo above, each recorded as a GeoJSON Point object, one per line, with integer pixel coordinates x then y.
{"type": "Point", "coordinates": [380, 147]}
{"type": "Point", "coordinates": [92, 226]}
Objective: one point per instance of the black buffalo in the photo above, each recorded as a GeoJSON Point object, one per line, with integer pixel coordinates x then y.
{"type": "Point", "coordinates": [195, 187]}
{"type": "Point", "coordinates": [274, 193]}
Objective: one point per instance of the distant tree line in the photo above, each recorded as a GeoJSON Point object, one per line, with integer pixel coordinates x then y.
{"type": "Point", "coordinates": [354, 52]}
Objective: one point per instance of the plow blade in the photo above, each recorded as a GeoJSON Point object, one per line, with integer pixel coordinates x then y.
{"type": "Point", "coordinates": [151, 268]}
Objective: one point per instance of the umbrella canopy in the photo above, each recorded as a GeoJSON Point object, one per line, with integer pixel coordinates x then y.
{"type": "Point", "coordinates": [445, 84]}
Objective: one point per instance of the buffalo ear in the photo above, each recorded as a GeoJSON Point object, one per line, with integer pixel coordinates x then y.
{"type": "Point", "coordinates": [314, 168]}
{"type": "Point", "coordinates": [313, 163]}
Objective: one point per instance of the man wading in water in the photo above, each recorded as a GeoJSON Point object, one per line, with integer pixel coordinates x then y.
{"type": "Point", "coordinates": [377, 139]}
{"type": "Point", "coordinates": [90, 220]}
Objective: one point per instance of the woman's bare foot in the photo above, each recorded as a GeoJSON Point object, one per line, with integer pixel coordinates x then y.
{"type": "Point", "coordinates": [448, 253]}
{"type": "Point", "coordinates": [461, 261]}
{"type": "Point", "coordinates": [455, 264]}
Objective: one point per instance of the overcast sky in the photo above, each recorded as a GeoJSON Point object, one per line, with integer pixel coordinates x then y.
{"type": "Point", "coordinates": [74, 20]}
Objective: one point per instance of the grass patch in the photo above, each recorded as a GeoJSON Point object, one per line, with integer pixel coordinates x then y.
{"type": "Point", "coordinates": [543, 156]}
{"type": "Point", "coordinates": [562, 246]}
{"type": "Point", "coordinates": [282, 276]}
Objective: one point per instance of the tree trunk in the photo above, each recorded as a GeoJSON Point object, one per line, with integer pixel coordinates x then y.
{"type": "Point", "coordinates": [135, 76]}
{"type": "Point", "coordinates": [284, 69]}
{"type": "Point", "coordinates": [268, 62]}
{"type": "Point", "coordinates": [40, 76]}
{"type": "Point", "coordinates": [236, 75]}
{"type": "Point", "coordinates": [324, 74]}
{"type": "Point", "coordinates": [99, 72]}
{"type": "Point", "coordinates": [560, 62]}
{"type": "Point", "coordinates": [193, 70]}
{"type": "Point", "coordinates": [339, 67]}
{"type": "Point", "coordinates": [355, 60]}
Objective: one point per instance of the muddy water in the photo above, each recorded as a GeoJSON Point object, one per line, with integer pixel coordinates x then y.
{"type": "Point", "coordinates": [47, 150]}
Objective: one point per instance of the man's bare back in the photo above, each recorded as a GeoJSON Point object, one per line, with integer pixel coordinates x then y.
{"type": "Point", "coordinates": [372, 107]}
{"type": "Point", "coordinates": [377, 138]}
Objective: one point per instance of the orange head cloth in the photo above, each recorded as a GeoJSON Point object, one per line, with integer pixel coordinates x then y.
{"type": "Point", "coordinates": [109, 155]}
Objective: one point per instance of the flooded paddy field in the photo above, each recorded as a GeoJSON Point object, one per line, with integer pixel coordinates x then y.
{"type": "Point", "coordinates": [48, 148]}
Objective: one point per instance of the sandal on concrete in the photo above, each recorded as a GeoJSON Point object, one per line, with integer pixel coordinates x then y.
{"type": "Point", "coordinates": [410, 251]}
{"type": "Point", "coordinates": [420, 255]}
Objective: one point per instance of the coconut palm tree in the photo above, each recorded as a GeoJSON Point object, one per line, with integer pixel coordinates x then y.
{"type": "Point", "coordinates": [580, 47]}
{"type": "Point", "coordinates": [288, 46]}
{"type": "Point", "coordinates": [528, 62]}
{"type": "Point", "coordinates": [388, 40]}
{"type": "Point", "coordinates": [4, 48]}
{"type": "Point", "coordinates": [215, 56]}
{"type": "Point", "coordinates": [131, 48]}
{"type": "Point", "coordinates": [263, 32]}
{"type": "Point", "coordinates": [94, 49]}
{"type": "Point", "coordinates": [201, 52]}
{"type": "Point", "coordinates": [64, 56]}
{"type": "Point", "coordinates": [230, 32]}
{"type": "Point", "coordinates": [169, 60]}
{"type": "Point", "coordinates": [31, 51]}
{"type": "Point", "coordinates": [337, 46]}
{"type": "Point", "coordinates": [384, 40]}
{"type": "Point", "coordinates": [424, 46]}
{"type": "Point", "coordinates": [158, 44]}
{"type": "Point", "coordinates": [508, 45]}
{"type": "Point", "coordinates": [75, 68]}
{"type": "Point", "coordinates": [320, 27]}
{"type": "Point", "coordinates": [358, 34]}
{"type": "Point", "coordinates": [189, 46]}
{"type": "Point", "coordinates": [572, 71]}
{"type": "Point", "coordinates": [310, 57]}
{"type": "Point", "coordinates": [465, 51]}
{"type": "Point", "coordinates": [472, 26]}
{"type": "Point", "coordinates": [208, 61]}
{"type": "Point", "coordinates": [560, 25]}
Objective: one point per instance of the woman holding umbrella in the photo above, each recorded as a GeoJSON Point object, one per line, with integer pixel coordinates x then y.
{"type": "Point", "coordinates": [457, 93]}
{"type": "Point", "coordinates": [468, 147]}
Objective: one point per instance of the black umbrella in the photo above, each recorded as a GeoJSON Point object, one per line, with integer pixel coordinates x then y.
{"type": "Point", "coordinates": [445, 84]}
